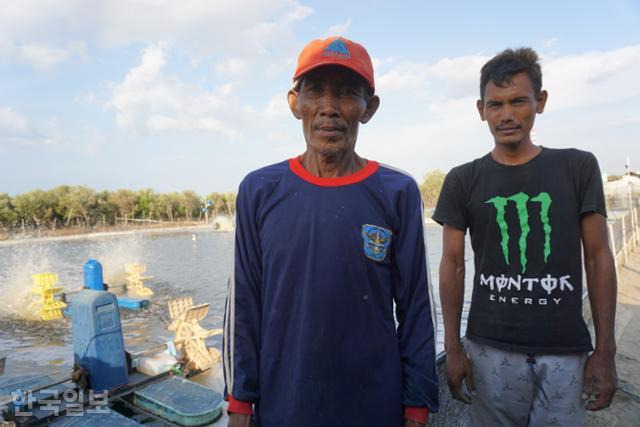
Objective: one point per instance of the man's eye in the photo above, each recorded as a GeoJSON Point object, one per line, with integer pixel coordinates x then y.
{"type": "Point", "coordinates": [313, 88]}
{"type": "Point", "coordinates": [349, 91]}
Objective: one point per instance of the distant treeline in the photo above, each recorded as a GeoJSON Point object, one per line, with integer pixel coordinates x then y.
{"type": "Point", "coordinates": [431, 186]}
{"type": "Point", "coordinates": [78, 206]}
{"type": "Point", "coordinates": [82, 207]}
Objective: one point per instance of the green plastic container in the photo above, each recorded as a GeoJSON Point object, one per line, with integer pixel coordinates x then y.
{"type": "Point", "coordinates": [180, 401]}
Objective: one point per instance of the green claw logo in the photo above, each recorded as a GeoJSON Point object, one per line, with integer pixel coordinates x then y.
{"type": "Point", "coordinates": [521, 200]}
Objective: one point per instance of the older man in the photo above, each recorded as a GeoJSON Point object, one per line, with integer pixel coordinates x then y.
{"type": "Point", "coordinates": [326, 243]}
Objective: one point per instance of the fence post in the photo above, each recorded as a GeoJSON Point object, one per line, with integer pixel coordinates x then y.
{"type": "Point", "coordinates": [612, 242]}
{"type": "Point", "coordinates": [624, 239]}
{"type": "Point", "coordinates": [637, 209]}
{"type": "Point", "coordinates": [632, 238]}
{"type": "Point", "coordinates": [636, 237]}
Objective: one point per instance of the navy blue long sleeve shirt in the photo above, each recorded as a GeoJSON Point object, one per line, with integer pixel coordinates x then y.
{"type": "Point", "coordinates": [320, 265]}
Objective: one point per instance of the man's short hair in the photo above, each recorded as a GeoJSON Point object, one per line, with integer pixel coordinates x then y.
{"type": "Point", "coordinates": [502, 67]}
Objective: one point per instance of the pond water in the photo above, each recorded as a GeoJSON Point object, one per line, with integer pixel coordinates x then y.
{"type": "Point", "coordinates": [194, 263]}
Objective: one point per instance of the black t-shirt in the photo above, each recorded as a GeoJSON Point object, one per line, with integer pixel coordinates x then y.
{"type": "Point", "coordinates": [524, 223]}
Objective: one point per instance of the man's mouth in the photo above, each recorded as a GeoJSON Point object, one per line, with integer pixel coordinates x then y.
{"type": "Point", "coordinates": [330, 130]}
{"type": "Point", "coordinates": [508, 129]}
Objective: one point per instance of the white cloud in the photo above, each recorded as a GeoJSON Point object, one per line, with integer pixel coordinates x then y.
{"type": "Point", "coordinates": [17, 129]}
{"type": "Point", "coordinates": [429, 113]}
{"type": "Point", "coordinates": [43, 57]}
{"type": "Point", "coordinates": [122, 22]}
{"type": "Point", "coordinates": [231, 66]}
{"type": "Point", "coordinates": [42, 30]}
{"type": "Point", "coordinates": [186, 124]}
{"type": "Point", "coordinates": [591, 78]}
{"type": "Point", "coordinates": [12, 122]}
{"type": "Point", "coordinates": [339, 29]}
{"type": "Point", "coordinates": [453, 76]}
{"type": "Point", "coordinates": [278, 106]}
{"type": "Point", "coordinates": [573, 80]}
{"type": "Point", "coordinates": [150, 99]}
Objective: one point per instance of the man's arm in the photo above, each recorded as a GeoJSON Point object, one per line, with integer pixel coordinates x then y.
{"type": "Point", "coordinates": [415, 330]}
{"type": "Point", "coordinates": [600, 377]}
{"type": "Point", "coordinates": [242, 315]}
{"type": "Point", "coordinates": [451, 299]}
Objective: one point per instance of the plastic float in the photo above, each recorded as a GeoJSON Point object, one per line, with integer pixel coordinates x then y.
{"type": "Point", "coordinates": [135, 280]}
{"type": "Point", "coordinates": [105, 387]}
{"type": "Point", "coordinates": [190, 336]}
{"type": "Point", "coordinates": [46, 306]}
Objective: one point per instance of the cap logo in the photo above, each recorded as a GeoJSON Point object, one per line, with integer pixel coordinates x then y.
{"type": "Point", "coordinates": [337, 48]}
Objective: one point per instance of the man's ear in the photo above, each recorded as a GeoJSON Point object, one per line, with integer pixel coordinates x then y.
{"type": "Point", "coordinates": [541, 101]}
{"type": "Point", "coordinates": [292, 97]}
{"type": "Point", "coordinates": [480, 107]}
{"type": "Point", "coordinates": [372, 106]}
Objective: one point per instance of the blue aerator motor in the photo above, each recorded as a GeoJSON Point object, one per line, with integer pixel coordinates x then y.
{"type": "Point", "coordinates": [98, 345]}
{"type": "Point", "coordinates": [93, 275]}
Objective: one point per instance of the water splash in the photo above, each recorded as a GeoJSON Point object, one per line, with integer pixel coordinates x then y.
{"type": "Point", "coordinates": [113, 254]}
{"type": "Point", "coordinates": [19, 262]}
{"type": "Point", "coordinates": [15, 278]}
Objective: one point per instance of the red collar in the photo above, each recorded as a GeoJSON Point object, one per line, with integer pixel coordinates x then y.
{"type": "Point", "coordinates": [369, 169]}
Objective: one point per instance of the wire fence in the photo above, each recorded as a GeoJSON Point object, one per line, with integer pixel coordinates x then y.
{"type": "Point", "coordinates": [624, 235]}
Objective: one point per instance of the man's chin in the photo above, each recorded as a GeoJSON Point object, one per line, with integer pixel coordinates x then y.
{"type": "Point", "coordinates": [331, 148]}
{"type": "Point", "coordinates": [509, 143]}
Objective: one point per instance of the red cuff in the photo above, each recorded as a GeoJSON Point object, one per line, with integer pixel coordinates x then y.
{"type": "Point", "coordinates": [239, 406]}
{"type": "Point", "coordinates": [420, 415]}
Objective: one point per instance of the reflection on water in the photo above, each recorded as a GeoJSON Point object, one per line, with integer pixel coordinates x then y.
{"type": "Point", "coordinates": [180, 266]}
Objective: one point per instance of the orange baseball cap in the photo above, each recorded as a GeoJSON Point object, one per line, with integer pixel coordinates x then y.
{"type": "Point", "coordinates": [336, 51]}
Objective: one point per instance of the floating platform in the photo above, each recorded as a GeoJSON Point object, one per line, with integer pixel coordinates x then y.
{"type": "Point", "coordinates": [180, 401]}
{"type": "Point", "coordinates": [132, 303]}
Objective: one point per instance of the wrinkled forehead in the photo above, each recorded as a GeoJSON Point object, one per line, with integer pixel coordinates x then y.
{"type": "Point", "coordinates": [334, 75]}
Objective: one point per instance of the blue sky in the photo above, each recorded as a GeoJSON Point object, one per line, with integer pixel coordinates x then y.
{"type": "Point", "coordinates": [192, 95]}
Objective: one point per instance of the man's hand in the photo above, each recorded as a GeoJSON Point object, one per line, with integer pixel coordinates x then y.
{"type": "Point", "coordinates": [459, 369]}
{"type": "Point", "coordinates": [412, 423]}
{"type": "Point", "coordinates": [600, 380]}
{"type": "Point", "coordinates": [239, 420]}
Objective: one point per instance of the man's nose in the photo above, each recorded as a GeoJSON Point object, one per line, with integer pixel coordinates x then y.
{"type": "Point", "coordinates": [329, 104]}
{"type": "Point", "coordinates": [506, 114]}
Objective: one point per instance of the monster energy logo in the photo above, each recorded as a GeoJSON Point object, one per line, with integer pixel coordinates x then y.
{"type": "Point", "coordinates": [521, 200]}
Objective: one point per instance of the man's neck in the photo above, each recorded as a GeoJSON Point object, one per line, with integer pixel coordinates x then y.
{"type": "Point", "coordinates": [332, 166]}
{"type": "Point", "coordinates": [516, 154]}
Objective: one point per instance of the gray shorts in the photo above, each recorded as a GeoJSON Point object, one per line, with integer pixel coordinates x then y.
{"type": "Point", "coordinates": [519, 389]}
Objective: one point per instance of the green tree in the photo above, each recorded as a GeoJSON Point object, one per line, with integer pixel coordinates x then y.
{"type": "Point", "coordinates": [77, 203]}
{"type": "Point", "coordinates": [63, 214]}
{"type": "Point", "coordinates": [190, 204]}
{"type": "Point", "coordinates": [431, 186]}
{"type": "Point", "coordinates": [230, 203]}
{"type": "Point", "coordinates": [147, 204]}
{"type": "Point", "coordinates": [169, 205]}
{"type": "Point", "coordinates": [105, 210]}
{"type": "Point", "coordinates": [8, 215]}
{"type": "Point", "coordinates": [36, 207]}
{"type": "Point", "coordinates": [125, 202]}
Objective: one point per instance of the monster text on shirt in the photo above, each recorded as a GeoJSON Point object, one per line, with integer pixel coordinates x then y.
{"type": "Point", "coordinates": [519, 282]}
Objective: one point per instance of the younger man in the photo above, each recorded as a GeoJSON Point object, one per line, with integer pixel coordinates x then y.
{"type": "Point", "coordinates": [528, 210]}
